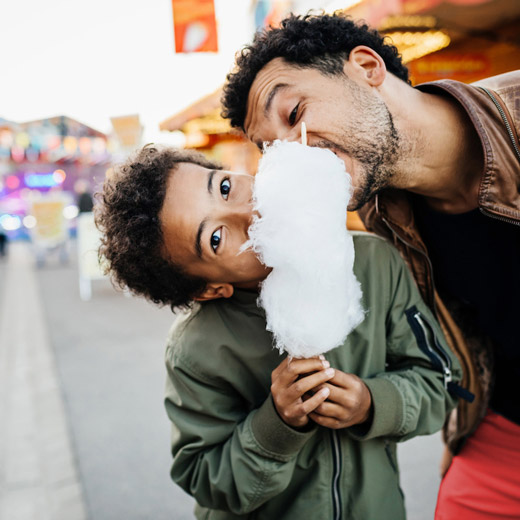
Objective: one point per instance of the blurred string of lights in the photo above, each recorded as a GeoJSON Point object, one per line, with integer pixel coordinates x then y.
{"type": "Point", "coordinates": [414, 36]}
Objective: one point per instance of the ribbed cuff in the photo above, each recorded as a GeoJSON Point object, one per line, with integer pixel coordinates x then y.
{"type": "Point", "coordinates": [275, 436]}
{"type": "Point", "coordinates": [388, 412]}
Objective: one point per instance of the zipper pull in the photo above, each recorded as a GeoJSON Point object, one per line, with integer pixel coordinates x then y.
{"type": "Point", "coordinates": [447, 377]}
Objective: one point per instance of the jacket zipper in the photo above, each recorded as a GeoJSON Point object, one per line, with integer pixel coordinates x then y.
{"type": "Point", "coordinates": [515, 147]}
{"type": "Point", "coordinates": [504, 118]}
{"type": "Point", "coordinates": [436, 350]}
{"type": "Point", "coordinates": [499, 217]}
{"type": "Point", "coordinates": [336, 463]}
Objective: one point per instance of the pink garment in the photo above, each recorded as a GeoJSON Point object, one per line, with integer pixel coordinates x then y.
{"type": "Point", "coordinates": [483, 481]}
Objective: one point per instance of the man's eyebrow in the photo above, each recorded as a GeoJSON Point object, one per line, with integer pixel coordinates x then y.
{"type": "Point", "coordinates": [271, 95]}
{"type": "Point", "coordinates": [198, 246]}
{"type": "Point", "coordinates": [210, 180]}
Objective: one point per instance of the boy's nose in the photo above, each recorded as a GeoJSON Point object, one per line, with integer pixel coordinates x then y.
{"type": "Point", "coordinates": [244, 213]}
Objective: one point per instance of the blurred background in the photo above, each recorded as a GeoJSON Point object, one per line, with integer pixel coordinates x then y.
{"type": "Point", "coordinates": [83, 434]}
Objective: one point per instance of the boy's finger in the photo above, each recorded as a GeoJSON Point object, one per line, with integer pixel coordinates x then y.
{"type": "Point", "coordinates": [292, 370]}
{"type": "Point", "coordinates": [300, 387]}
{"type": "Point", "coordinates": [327, 422]}
{"type": "Point", "coordinates": [332, 410]}
{"type": "Point", "coordinates": [313, 402]}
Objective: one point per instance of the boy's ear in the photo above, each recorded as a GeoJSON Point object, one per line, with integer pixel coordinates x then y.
{"type": "Point", "coordinates": [214, 290]}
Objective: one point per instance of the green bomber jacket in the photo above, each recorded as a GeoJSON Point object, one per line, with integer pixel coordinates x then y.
{"type": "Point", "coordinates": [235, 455]}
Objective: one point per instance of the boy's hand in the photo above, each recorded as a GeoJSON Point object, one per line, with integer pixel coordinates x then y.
{"type": "Point", "coordinates": [291, 380]}
{"type": "Point", "coordinates": [349, 402]}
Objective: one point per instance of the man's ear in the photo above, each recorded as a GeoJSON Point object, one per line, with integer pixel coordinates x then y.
{"type": "Point", "coordinates": [215, 290]}
{"type": "Point", "coordinates": [365, 64]}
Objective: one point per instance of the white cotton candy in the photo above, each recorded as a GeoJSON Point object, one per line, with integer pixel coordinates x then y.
{"type": "Point", "coordinates": [311, 297]}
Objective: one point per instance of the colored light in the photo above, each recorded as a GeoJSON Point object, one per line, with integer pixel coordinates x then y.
{"type": "Point", "coordinates": [40, 180]}
{"type": "Point", "coordinates": [85, 145]}
{"type": "Point", "coordinates": [22, 139]}
{"type": "Point", "coordinates": [17, 153]}
{"type": "Point", "coordinates": [70, 212]}
{"type": "Point", "coordinates": [6, 139]}
{"type": "Point", "coordinates": [59, 176]}
{"type": "Point", "coordinates": [70, 143]}
{"type": "Point", "coordinates": [29, 221]}
{"type": "Point", "coordinates": [10, 222]}
{"type": "Point", "coordinates": [12, 182]}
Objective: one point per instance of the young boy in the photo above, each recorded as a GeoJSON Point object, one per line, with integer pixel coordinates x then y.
{"type": "Point", "coordinates": [256, 435]}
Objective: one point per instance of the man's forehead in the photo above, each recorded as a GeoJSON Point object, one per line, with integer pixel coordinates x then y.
{"type": "Point", "coordinates": [271, 78]}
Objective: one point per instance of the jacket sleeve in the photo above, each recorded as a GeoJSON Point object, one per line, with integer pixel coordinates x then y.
{"type": "Point", "coordinates": [225, 456]}
{"type": "Point", "coordinates": [413, 395]}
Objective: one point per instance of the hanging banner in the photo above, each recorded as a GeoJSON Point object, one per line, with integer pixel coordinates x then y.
{"type": "Point", "coordinates": [128, 130]}
{"type": "Point", "coordinates": [195, 26]}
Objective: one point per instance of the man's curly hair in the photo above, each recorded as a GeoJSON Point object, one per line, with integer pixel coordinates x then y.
{"type": "Point", "coordinates": [320, 41]}
{"type": "Point", "coordinates": [127, 214]}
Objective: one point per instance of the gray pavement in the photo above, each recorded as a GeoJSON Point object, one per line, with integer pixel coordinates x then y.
{"type": "Point", "coordinates": [38, 472]}
{"type": "Point", "coordinates": [83, 424]}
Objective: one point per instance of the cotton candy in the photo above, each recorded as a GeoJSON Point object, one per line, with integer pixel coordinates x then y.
{"type": "Point", "coordinates": [312, 298]}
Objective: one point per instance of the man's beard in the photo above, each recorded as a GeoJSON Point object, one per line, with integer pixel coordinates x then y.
{"type": "Point", "coordinates": [372, 139]}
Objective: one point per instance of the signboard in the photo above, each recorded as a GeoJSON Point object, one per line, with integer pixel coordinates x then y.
{"type": "Point", "coordinates": [128, 130]}
{"type": "Point", "coordinates": [461, 66]}
{"type": "Point", "coordinates": [88, 241]}
{"type": "Point", "coordinates": [50, 229]}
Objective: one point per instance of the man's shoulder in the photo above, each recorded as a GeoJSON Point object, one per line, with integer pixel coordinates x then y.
{"type": "Point", "coordinates": [506, 81]}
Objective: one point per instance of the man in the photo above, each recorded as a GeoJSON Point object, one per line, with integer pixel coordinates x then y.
{"type": "Point", "coordinates": [254, 434]}
{"type": "Point", "coordinates": [435, 170]}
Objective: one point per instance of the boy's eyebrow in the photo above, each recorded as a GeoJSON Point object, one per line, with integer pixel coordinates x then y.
{"type": "Point", "coordinates": [210, 181]}
{"type": "Point", "coordinates": [271, 96]}
{"type": "Point", "coordinates": [198, 246]}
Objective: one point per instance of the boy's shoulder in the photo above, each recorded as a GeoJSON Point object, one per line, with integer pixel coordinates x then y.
{"type": "Point", "coordinates": [216, 327]}
{"type": "Point", "coordinates": [374, 252]}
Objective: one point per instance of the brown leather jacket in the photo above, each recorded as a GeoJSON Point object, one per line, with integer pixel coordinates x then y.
{"type": "Point", "coordinates": [390, 214]}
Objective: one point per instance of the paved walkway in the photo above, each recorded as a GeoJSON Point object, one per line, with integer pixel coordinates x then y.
{"type": "Point", "coordinates": [38, 475]}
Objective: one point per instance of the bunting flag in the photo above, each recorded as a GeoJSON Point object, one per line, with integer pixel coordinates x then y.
{"type": "Point", "coordinates": [195, 26]}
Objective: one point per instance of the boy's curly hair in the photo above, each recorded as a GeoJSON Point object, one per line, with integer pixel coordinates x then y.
{"type": "Point", "coordinates": [127, 214]}
{"type": "Point", "coordinates": [315, 41]}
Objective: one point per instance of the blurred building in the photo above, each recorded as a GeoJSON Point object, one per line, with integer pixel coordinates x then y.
{"type": "Point", "coordinates": [45, 157]}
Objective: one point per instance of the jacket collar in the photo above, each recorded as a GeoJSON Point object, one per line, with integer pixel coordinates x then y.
{"type": "Point", "coordinates": [500, 177]}
{"type": "Point", "coordinates": [501, 171]}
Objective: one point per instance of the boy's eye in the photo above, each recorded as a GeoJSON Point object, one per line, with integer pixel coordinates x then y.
{"type": "Point", "coordinates": [215, 240]}
{"type": "Point", "coordinates": [294, 113]}
{"type": "Point", "coordinates": [225, 188]}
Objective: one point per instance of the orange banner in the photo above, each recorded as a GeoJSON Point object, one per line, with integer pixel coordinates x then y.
{"type": "Point", "coordinates": [195, 26]}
